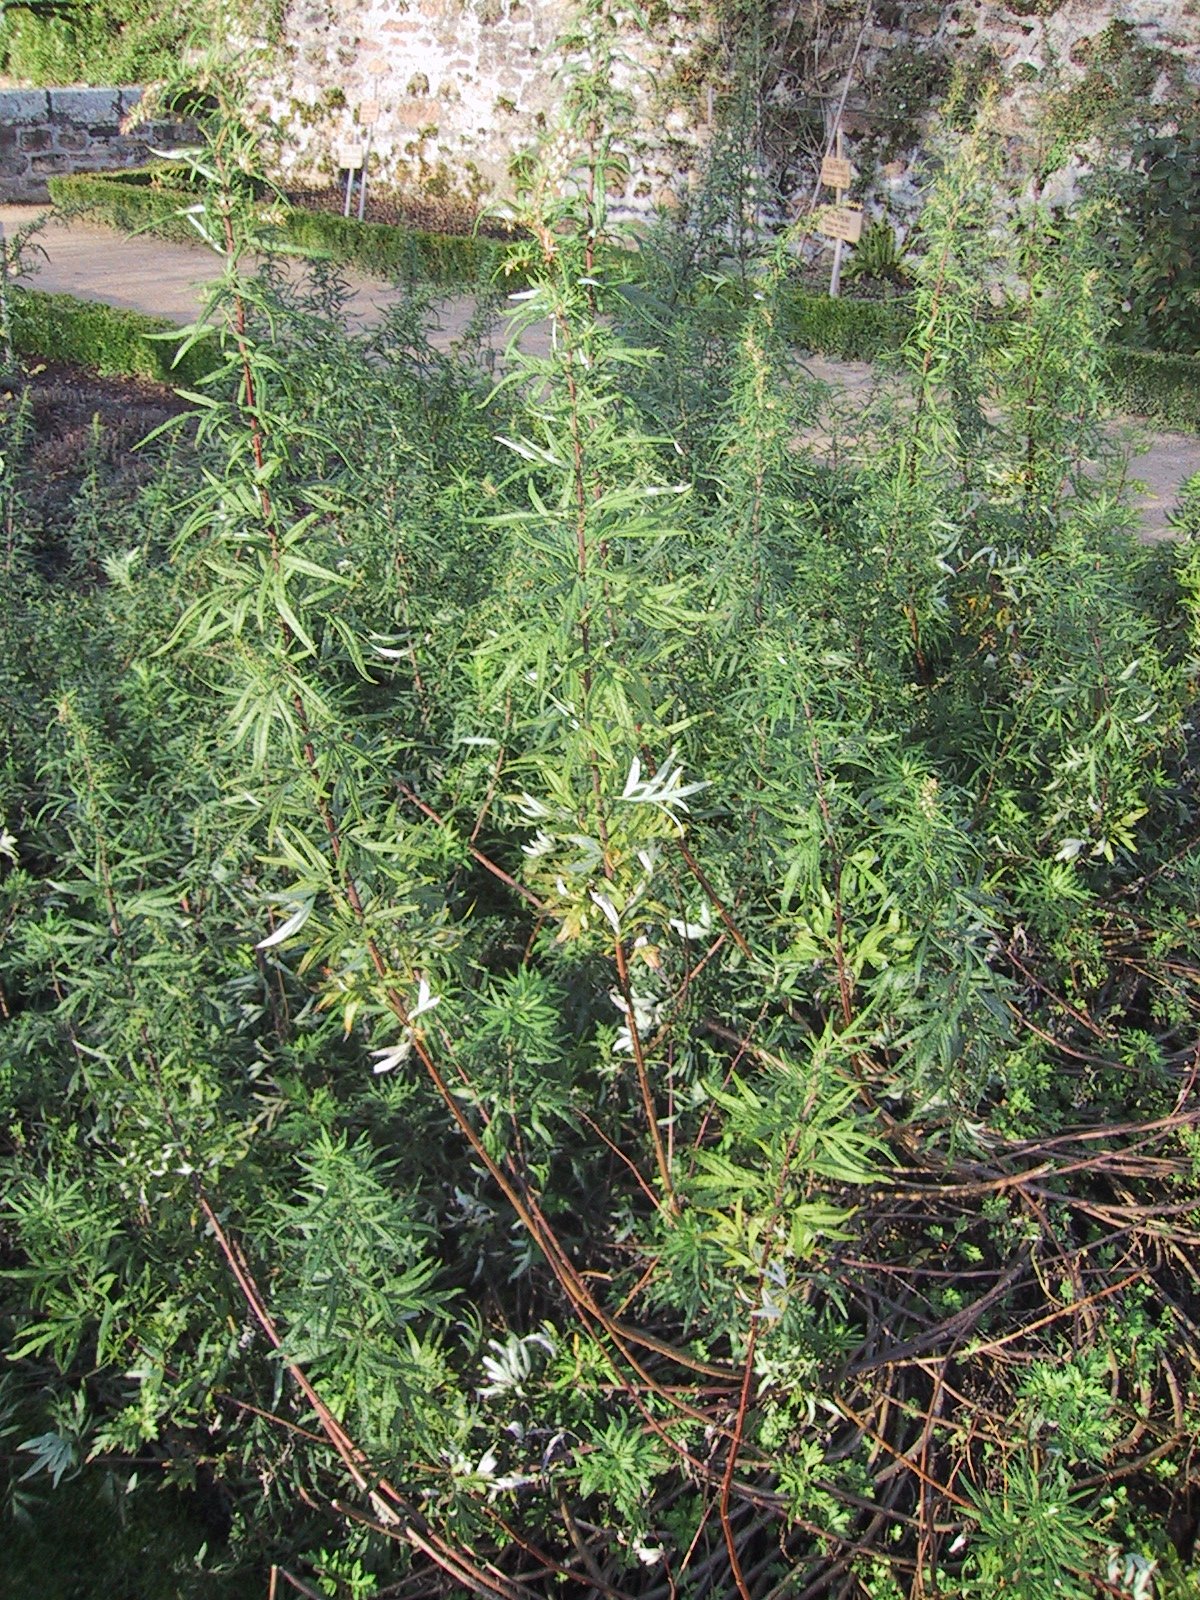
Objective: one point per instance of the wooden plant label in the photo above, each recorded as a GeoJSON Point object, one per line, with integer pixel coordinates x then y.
{"type": "Point", "coordinates": [841, 222]}
{"type": "Point", "coordinates": [837, 172]}
{"type": "Point", "coordinates": [368, 113]}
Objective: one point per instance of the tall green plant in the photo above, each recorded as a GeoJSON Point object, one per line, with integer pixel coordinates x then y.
{"type": "Point", "coordinates": [602, 995]}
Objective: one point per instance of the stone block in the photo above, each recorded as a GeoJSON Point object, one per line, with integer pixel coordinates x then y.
{"type": "Point", "coordinates": [417, 113]}
{"type": "Point", "coordinates": [128, 96]}
{"type": "Point", "coordinates": [96, 158]}
{"type": "Point", "coordinates": [36, 139]}
{"type": "Point", "coordinates": [70, 139]}
{"type": "Point", "coordinates": [23, 106]}
{"type": "Point", "coordinates": [91, 107]}
{"type": "Point", "coordinates": [46, 165]}
{"type": "Point", "coordinates": [13, 166]}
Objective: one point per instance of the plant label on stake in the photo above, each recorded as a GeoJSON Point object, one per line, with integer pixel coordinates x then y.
{"type": "Point", "coordinates": [368, 116]}
{"type": "Point", "coordinates": [843, 223]}
{"type": "Point", "coordinates": [837, 172]}
{"type": "Point", "coordinates": [362, 177]}
{"type": "Point", "coordinates": [351, 157]}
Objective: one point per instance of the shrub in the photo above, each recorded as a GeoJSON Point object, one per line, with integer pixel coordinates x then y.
{"type": "Point", "coordinates": [567, 959]}
{"type": "Point", "coordinates": [56, 327]}
{"type": "Point", "coordinates": [1152, 384]}
{"type": "Point", "coordinates": [879, 256]}
{"type": "Point", "coordinates": [1163, 388]}
{"type": "Point", "coordinates": [393, 252]}
{"type": "Point", "coordinates": [140, 201]}
{"type": "Point", "coordinates": [150, 200]}
{"type": "Point", "coordinates": [1161, 242]}
{"type": "Point", "coordinates": [94, 41]}
{"type": "Point", "coordinates": [855, 330]}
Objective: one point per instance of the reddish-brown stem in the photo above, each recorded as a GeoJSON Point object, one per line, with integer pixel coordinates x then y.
{"type": "Point", "coordinates": [739, 1428]}
{"type": "Point", "coordinates": [643, 1077]}
{"type": "Point", "coordinates": [621, 1157]}
{"type": "Point", "coordinates": [718, 905]}
{"type": "Point", "coordinates": [484, 861]}
{"type": "Point", "coordinates": [845, 980]}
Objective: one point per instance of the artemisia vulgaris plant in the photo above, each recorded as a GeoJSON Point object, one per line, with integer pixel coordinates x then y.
{"type": "Point", "coordinates": [600, 996]}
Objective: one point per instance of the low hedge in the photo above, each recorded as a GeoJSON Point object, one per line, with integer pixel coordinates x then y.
{"type": "Point", "coordinates": [852, 330]}
{"type": "Point", "coordinates": [1152, 384]}
{"type": "Point", "coordinates": [113, 342]}
{"type": "Point", "coordinates": [385, 251]}
{"type": "Point", "coordinates": [1162, 388]}
{"type": "Point", "coordinates": [134, 202]}
{"type": "Point", "coordinates": [149, 199]}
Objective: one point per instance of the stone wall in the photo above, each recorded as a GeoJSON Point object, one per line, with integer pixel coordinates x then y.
{"type": "Point", "coordinates": [44, 132]}
{"type": "Point", "coordinates": [456, 87]}
{"type": "Point", "coordinates": [1043, 48]}
{"type": "Point", "coordinates": [453, 89]}
{"type": "Point", "coordinates": [1044, 42]}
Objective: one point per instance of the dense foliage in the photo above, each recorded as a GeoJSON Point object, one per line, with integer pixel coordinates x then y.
{"type": "Point", "coordinates": [94, 41]}
{"type": "Point", "coordinates": [599, 973]}
{"type": "Point", "coordinates": [1148, 383]}
{"type": "Point", "coordinates": [1162, 241]}
{"type": "Point", "coordinates": [108, 338]}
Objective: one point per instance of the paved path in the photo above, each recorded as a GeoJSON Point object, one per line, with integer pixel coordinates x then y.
{"type": "Point", "coordinates": [167, 280]}
{"type": "Point", "coordinates": [1159, 462]}
{"type": "Point", "coordinates": [152, 275]}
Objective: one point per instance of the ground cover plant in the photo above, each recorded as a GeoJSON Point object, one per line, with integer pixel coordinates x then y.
{"type": "Point", "coordinates": [595, 1001]}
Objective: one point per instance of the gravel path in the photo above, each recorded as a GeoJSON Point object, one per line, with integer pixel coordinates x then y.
{"type": "Point", "coordinates": [167, 280]}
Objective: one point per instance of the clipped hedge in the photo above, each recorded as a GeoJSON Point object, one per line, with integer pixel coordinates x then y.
{"type": "Point", "coordinates": [113, 342]}
{"type": "Point", "coordinates": [1163, 388]}
{"type": "Point", "coordinates": [102, 41]}
{"type": "Point", "coordinates": [1146, 383]}
{"type": "Point", "coordinates": [385, 251]}
{"type": "Point", "coordinates": [148, 200]}
{"type": "Point", "coordinates": [852, 330]}
{"type": "Point", "coordinates": [134, 202]}
{"type": "Point", "coordinates": [1152, 384]}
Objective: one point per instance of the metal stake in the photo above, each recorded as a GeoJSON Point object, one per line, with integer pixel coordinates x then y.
{"type": "Point", "coordinates": [362, 176]}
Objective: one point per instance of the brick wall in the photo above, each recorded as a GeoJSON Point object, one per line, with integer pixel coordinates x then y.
{"type": "Point", "coordinates": [44, 132]}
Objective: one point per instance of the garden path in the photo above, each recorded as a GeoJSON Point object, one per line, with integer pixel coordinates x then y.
{"type": "Point", "coordinates": [167, 280]}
